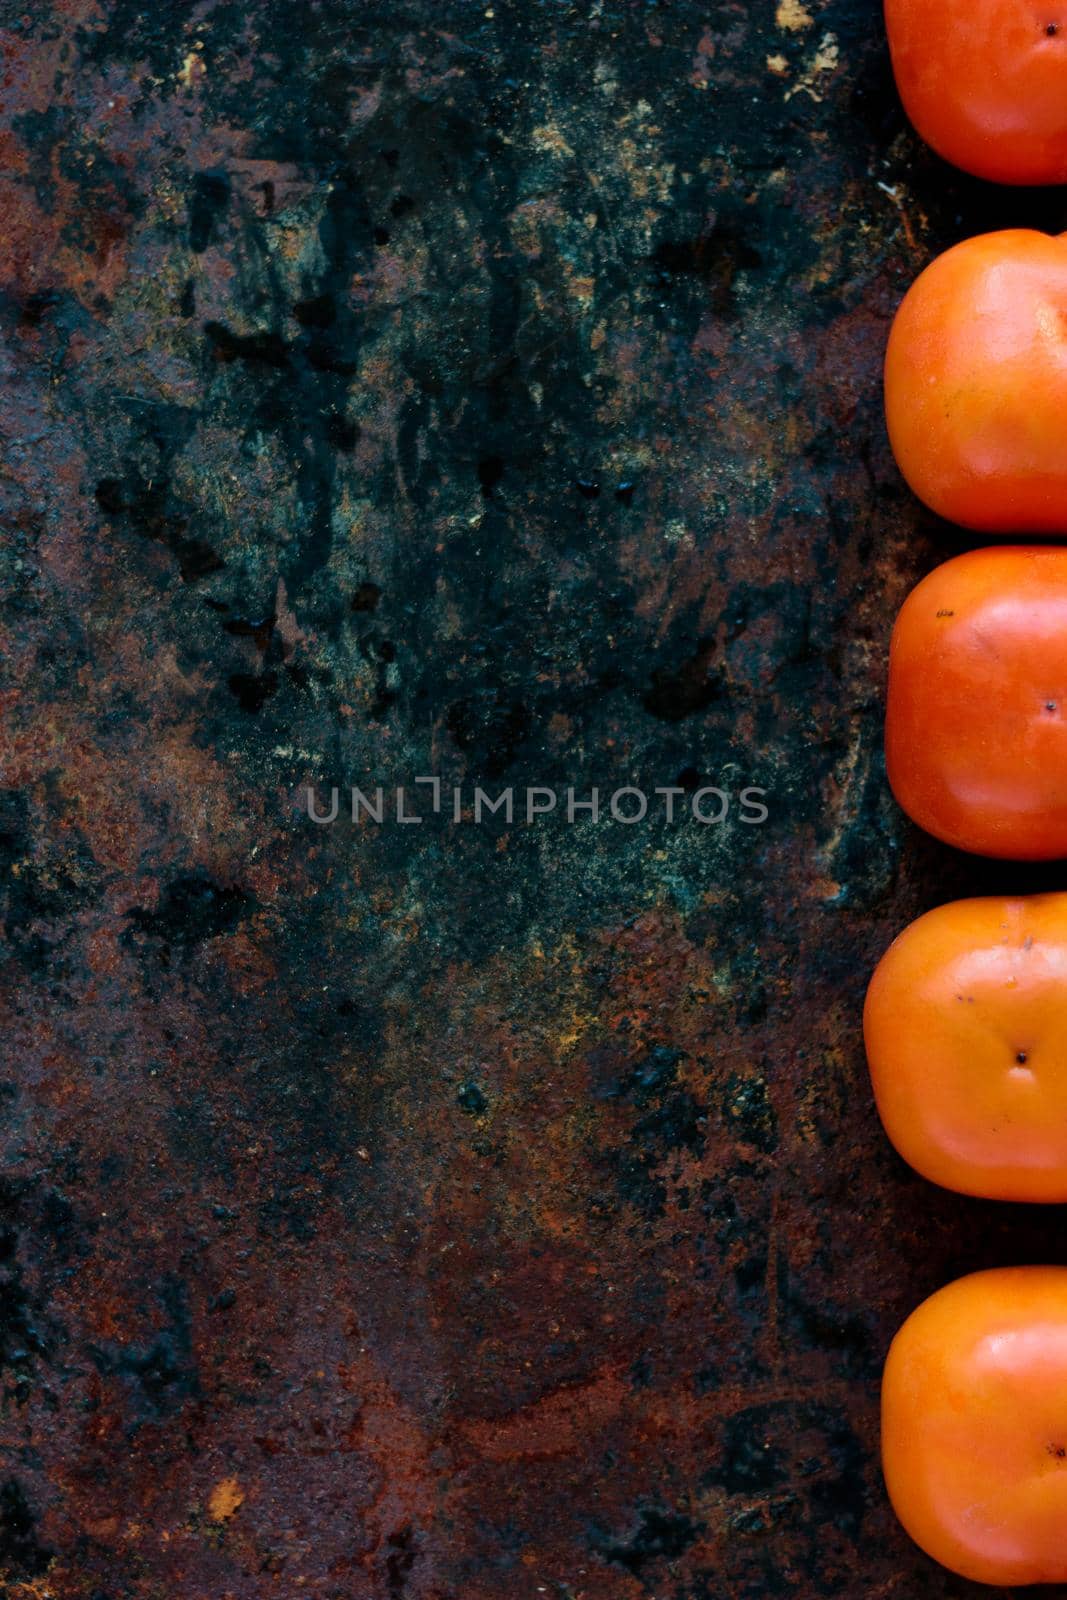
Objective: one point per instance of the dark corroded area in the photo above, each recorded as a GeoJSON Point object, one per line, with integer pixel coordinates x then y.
{"type": "Point", "coordinates": [455, 1211]}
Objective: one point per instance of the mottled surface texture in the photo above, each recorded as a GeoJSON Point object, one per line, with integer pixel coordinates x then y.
{"type": "Point", "coordinates": [491, 390]}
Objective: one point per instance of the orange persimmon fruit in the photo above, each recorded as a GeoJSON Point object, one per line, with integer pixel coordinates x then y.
{"type": "Point", "coordinates": [976, 383]}
{"type": "Point", "coordinates": [966, 1032]}
{"type": "Point", "coordinates": [976, 712]}
{"type": "Point", "coordinates": [974, 1426]}
{"type": "Point", "coordinates": [985, 83]}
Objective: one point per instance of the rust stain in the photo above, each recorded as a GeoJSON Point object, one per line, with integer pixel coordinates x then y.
{"type": "Point", "coordinates": [225, 1500]}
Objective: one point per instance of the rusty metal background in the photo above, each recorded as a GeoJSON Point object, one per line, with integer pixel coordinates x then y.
{"type": "Point", "coordinates": [454, 1212]}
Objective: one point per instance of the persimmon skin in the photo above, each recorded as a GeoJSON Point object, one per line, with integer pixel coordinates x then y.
{"type": "Point", "coordinates": [976, 383]}
{"type": "Point", "coordinates": [966, 1032]}
{"type": "Point", "coordinates": [976, 711]}
{"type": "Point", "coordinates": [974, 1431]}
{"type": "Point", "coordinates": [985, 83]}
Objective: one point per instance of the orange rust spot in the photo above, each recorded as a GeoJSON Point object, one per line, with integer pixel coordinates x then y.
{"type": "Point", "coordinates": [226, 1499]}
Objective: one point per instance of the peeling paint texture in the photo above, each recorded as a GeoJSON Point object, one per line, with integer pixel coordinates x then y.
{"type": "Point", "coordinates": [455, 1212]}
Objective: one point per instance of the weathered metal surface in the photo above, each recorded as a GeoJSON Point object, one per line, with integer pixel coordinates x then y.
{"type": "Point", "coordinates": [455, 1212]}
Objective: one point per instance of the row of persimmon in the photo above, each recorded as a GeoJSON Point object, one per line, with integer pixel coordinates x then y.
{"type": "Point", "coordinates": [966, 1016]}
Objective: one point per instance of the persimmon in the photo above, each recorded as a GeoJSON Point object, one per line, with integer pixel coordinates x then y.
{"type": "Point", "coordinates": [985, 83]}
{"type": "Point", "coordinates": [966, 1032]}
{"type": "Point", "coordinates": [976, 714]}
{"type": "Point", "coordinates": [974, 1426]}
{"type": "Point", "coordinates": [976, 383]}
